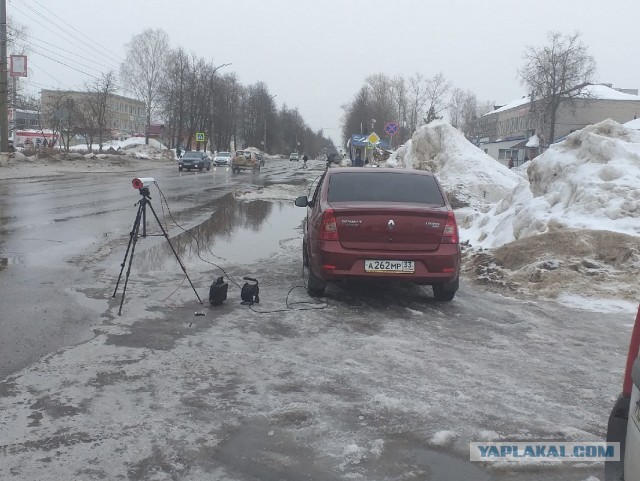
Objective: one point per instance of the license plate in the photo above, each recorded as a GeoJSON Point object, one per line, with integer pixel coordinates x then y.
{"type": "Point", "coordinates": [397, 267]}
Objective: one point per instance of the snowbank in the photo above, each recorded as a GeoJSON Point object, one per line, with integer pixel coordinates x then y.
{"type": "Point", "coordinates": [470, 177]}
{"type": "Point", "coordinates": [589, 181]}
{"type": "Point", "coordinates": [633, 124]}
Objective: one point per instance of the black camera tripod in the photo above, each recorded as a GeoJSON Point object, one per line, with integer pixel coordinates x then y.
{"type": "Point", "coordinates": [141, 218]}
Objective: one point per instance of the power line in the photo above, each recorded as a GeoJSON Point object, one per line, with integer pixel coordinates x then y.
{"type": "Point", "coordinates": [41, 15]}
{"type": "Point", "coordinates": [32, 64]}
{"type": "Point", "coordinates": [34, 47]}
{"type": "Point", "coordinates": [49, 29]}
{"type": "Point", "coordinates": [68, 66]}
{"type": "Point", "coordinates": [75, 29]}
{"type": "Point", "coordinates": [31, 37]}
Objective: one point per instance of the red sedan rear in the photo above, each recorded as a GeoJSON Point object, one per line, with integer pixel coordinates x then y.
{"type": "Point", "coordinates": [389, 223]}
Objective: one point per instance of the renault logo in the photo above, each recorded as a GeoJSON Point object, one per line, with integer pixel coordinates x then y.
{"type": "Point", "coordinates": [391, 224]}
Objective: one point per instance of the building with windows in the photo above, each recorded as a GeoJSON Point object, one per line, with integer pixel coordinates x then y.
{"type": "Point", "coordinates": [516, 130]}
{"type": "Point", "coordinates": [24, 119]}
{"type": "Point", "coordinates": [126, 115]}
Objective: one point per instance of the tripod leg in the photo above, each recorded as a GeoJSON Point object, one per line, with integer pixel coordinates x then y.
{"type": "Point", "coordinates": [126, 254]}
{"type": "Point", "coordinates": [144, 217]}
{"type": "Point", "coordinates": [133, 248]}
{"type": "Point", "coordinates": [166, 236]}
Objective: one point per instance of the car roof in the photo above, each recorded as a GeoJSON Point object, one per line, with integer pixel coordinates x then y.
{"type": "Point", "coordinates": [339, 170]}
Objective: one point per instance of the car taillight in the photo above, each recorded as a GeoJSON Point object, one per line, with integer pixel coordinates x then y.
{"type": "Point", "coordinates": [329, 227]}
{"type": "Point", "coordinates": [634, 347]}
{"type": "Point", "coordinates": [450, 233]}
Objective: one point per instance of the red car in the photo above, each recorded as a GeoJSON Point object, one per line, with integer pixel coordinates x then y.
{"type": "Point", "coordinates": [380, 223]}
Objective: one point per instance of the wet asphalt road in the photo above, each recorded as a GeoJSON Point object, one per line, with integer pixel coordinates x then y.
{"type": "Point", "coordinates": [355, 391]}
{"type": "Point", "coordinates": [47, 224]}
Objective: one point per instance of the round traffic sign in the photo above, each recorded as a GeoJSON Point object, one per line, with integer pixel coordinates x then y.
{"type": "Point", "coordinates": [391, 128]}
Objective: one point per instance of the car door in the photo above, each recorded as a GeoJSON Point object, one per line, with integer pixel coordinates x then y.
{"type": "Point", "coordinates": [312, 209]}
{"type": "Point", "coordinates": [632, 445]}
{"type": "Point", "coordinates": [314, 218]}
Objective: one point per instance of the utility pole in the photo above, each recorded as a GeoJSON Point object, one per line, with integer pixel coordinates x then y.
{"type": "Point", "coordinates": [4, 90]}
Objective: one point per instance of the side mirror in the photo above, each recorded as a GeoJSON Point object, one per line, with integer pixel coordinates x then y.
{"type": "Point", "coordinates": [302, 201]}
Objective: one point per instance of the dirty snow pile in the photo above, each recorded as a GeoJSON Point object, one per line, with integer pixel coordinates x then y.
{"type": "Point", "coordinates": [572, 225]}
{"type": "Point", "coordinates": [589, 181]}
{"type": "Point", "coordinates": [272, 192]}
{"type": "Point", "coordinates": [470, 177]}
{"type": "Point", "coordinates": [133, 146]}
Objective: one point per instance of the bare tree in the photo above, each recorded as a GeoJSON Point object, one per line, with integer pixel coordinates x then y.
{"type": "Point", "coordinates": [436, 91]}
{"type": "Point", "coordinates": [463, 110]}
{"type": "Point", "coordinates": [61, 115]}
{"type": "Point", "coordinates": [143, 69]}
{"type": "Point", "coordinates": [173, 94]}
{"type": "Point", "coordinates": [17, 37]}
{"type": "Point", "coordinates": [417, 99]}
{"type": "Point", "coordinates": [98, 106]}
{"type": "Point", "coordinates": [554, 74]}
{"type": "Point", "coordinates": [400, 97]}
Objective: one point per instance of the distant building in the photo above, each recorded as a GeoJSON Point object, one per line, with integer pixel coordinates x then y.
{"type": "Point", "coordinates": [514, 131]}
{"type": "Point", "coordinates": [127, 116]}
{"type": "Point", "coordinates": [25, 129]}
{"type": "Point", "coordinates": [24, 119]}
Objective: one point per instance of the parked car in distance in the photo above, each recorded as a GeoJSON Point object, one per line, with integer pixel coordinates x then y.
{"type": "Point", "coordinates": [380, 223]}
{"type": "Point", "coordinates": [194, 159]}
{"type": "Point", "coordinates": [624, 420]}
{"type": "Point", "coordinates": [294, 156]}
{"type": "Point", "coordinates": [245, 160]}
{"type": "Point", "coordinates": [222, 158]}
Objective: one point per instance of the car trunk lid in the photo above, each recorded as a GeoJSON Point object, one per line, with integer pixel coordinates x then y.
{"type": "Point", "coordinates": [405, 227]}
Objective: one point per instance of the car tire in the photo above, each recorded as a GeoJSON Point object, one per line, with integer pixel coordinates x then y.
{"type": "Point", "coordinates": [315, 285]}
{"type": "Point", "coordinates": [446, 291]}
{"type": "Point", "coordinates": [208, 168]}
{"type": "Point", "coordinates": [201, 168]}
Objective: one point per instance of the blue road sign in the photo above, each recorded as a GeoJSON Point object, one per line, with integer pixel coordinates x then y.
{"type": "Point", "coordinates": [391, 128]}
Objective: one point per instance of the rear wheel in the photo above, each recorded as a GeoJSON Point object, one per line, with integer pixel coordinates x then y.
{"type": "Point", "coordinates": [446, 291]}
{"type": "Point", "coordinates": [315, 285]}
{"type": "Point", "coordinates": [209, 168]}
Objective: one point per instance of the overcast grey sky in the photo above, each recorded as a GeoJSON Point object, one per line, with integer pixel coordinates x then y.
{"type": "Point", "coordinates": [316, 54]}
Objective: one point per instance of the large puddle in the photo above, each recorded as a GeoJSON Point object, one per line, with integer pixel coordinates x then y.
{"type": "Point", "coordinates": [237, 231]}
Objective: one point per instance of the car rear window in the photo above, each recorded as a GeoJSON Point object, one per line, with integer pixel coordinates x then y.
{"type": "Point", "coordinates": [379, 186]}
